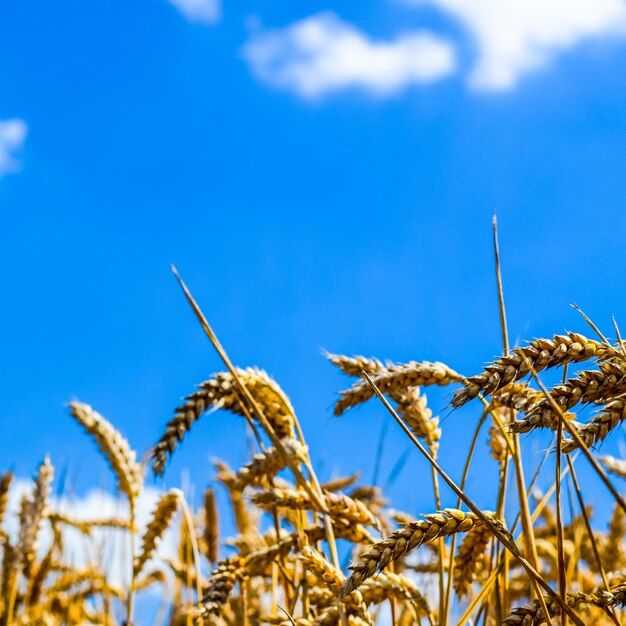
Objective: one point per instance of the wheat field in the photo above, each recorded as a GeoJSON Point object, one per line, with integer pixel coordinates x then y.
{"type": "Point", "coordinates": [285, 565]}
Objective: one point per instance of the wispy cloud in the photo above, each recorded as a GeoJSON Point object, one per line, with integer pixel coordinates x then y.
{"type": "Point", "coordinates": [514, 37]}
{"type": "Point", "coordinates": [202, 11]}
{"type": "Point", "coordinates": [323, 54]}
{"type": "Point", "coordinates": [12, 136]}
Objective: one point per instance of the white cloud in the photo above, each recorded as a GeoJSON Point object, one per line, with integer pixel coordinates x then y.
{"type": "Point", "coordinates": [203, 11]}
{"type": "Point", "coordinates": [12, 136]}
{"type": "Point", "coordinates": [516, 36]}
{"type": "Point", "coordinates": [108, 547]}
{"type": "Point", "coordinates": [322, 54]}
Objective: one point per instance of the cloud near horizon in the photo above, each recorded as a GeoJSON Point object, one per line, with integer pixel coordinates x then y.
{"type": "Point", "coordinates": [12, 137]}
{"type": "Point", "coordinates": [108, 547]}
{"type": "Point", "coordinates": [202, 11]}
{"type": "Point", "coordinates": [323, 54]}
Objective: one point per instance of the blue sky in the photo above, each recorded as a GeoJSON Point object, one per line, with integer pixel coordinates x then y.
{"type": "Point", "coordinates": [323, 176]}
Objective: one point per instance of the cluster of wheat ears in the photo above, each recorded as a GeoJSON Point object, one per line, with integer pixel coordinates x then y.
{"type": "Point", "coordinates": [283, 564]}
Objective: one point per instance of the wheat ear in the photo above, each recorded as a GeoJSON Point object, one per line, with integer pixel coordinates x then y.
{"type": "Point", "coordinates": [599, 427]}
{"type": "Point", "coordinates": [33, 513]}
{"type": "Point", "coordinates": [5, 485]}
{"type": "Point", "coordinates": [615, 466]}
{"type": "Point", "coordinates": [404, 540]}
{"type": "Point", "coordinates": [114, 448]}
{"type": "Point", "coordinates": [396, 379]}
{"type": "Point", "coordinates": [468, 558]}
{"type": "Point", "coordinates": [339, 505]}
{"type": "Point", "coordinates": [162, 517]}
{"type": "Point", "coordinates": [211, 526]}
{"type": "Point", "coordinates": [221, 392]}
{"type": "Point", "coordinates": [540, 354]}
{"type": "Point", "coordinates": [588, 386]}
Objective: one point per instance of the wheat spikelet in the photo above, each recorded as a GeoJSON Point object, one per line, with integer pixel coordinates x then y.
{"type": "Point", "coordinates": [518, 396]}
{"type": "Point", "coordinates": [355, 533]}
{"type": "Point", "coordinates": [588, 386]}
{"type": "Point", "coordinates": [211, 526]}
{"type": "Point", "coordinates": [32, 514]}
{"type": "Point", "coordinates": [5, 485]}
{"type": "Point", "coordinates": [371, 496]}
{"type": "Point", "coordinates": [75, 578]}
{"type": "Point", "coordinates": [221, 392]}
{"type": "Point", "coordinates": [154, 577]}
{"type": "Point", "coordinates": [355, 365]}
{"type": "Point", "coordinates": [411, 405]}
{"type": "Point", "coordinates": [419, 418]}
{"type": "Point", "coordinates": [243, 519]}
{"type": "Point", "coordinates": [317, 564]}
{"type": "Point", "coordinates": [544, 419]}
{"type": "Point", "coordinates": [615, 597]}
{"type": "Point", "coordinates": [498, 448]}
{"type": "Point", "coordinates": [389, 585]}
{"type": "Point", "coordinates": [186, 575]}
{"type": "Point", "coordinates": [540, 354]}
{"type": "Point", "coordinates": [613, 556]}
{"type": "Point", "coordinates": [615, 466]}
{"type": "Point", "coordinates": [113, 447]}
{"type": "Point", "coordinates": [162, 517]}
{"type": "Point", "coordinates": [45, 567]}
{"type": "Point", "coordinates": [600, 426]}
{"type": "Point", "coordinates": [397, 379]}
{"type": "Point", "coordinates": [338, 504]}
{"type": "Point", "coordinates": [530, 614]}
{"type": "Point", "coordinates": [257, 561]}
{"type": "Point", "coordinates": [401, 541]}
{"type": "Point", "coordinates": [10, 567]}
{"type": "Point", "coordinates": [269, 463]}
{"type": "Point", "coordinates": [340, 483]}
{"type": "Point", "coordinates": [332, 579]}
{"type": "Point", "coordinates": [468, 557]}
{"type": "Point", "coordinates": [224, 578]}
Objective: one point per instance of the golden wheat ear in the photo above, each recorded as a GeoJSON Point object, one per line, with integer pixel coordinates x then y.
{"type": "Point", "coordinates": [355, 365]}
{"type": "Point", "coordinates": [221, 392]}
{"type": "Point", "coordinates": [395, 380]}
{"type": "Point", "coordinates": [162, 517]}
{"type": "Point", "coordinates": [211, 534]}
{"type": "Point", "coordinates": [412, 535]}
{"type": "Point", "coordinates": [113, 446]}
{"type": "Point", "coordinates": [32, 514]}
{"type": "Point", "coordinates": [537, 355]}
{"type": "Point", "coordinates": [5, 486]}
